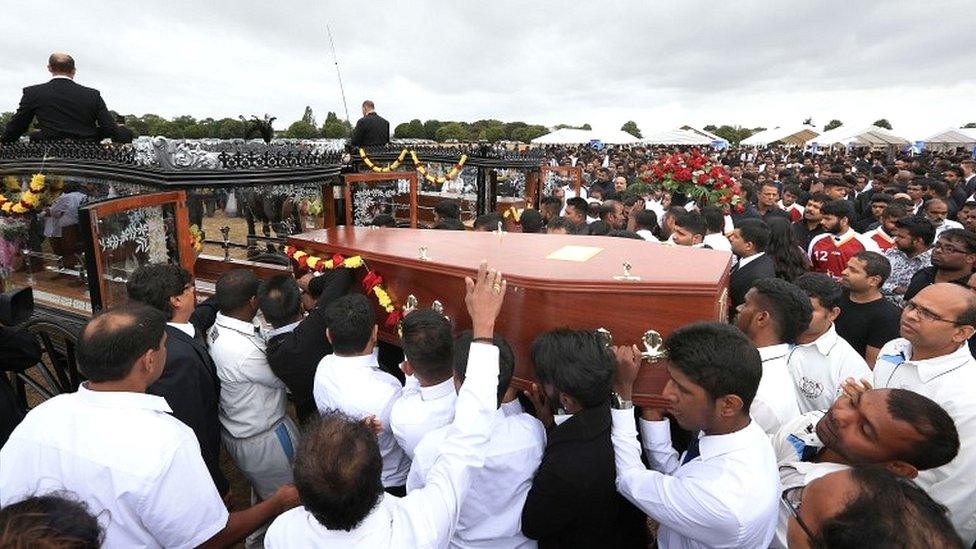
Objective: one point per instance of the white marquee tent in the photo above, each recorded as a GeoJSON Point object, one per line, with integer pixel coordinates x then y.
{"type": "Point", "coordinates": [685, 135]}
{"type": "Point", "coordinates": [871, 136]}
{"type": "Point", "coordinates": [795, 135]}
{"type": "Point", "coordinates": [950, 138]}
{"type": "Point", "coordinates": [567, 136]}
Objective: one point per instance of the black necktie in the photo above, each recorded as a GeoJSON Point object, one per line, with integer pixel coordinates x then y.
{"type": "Point", "coordinates": [693, 451]}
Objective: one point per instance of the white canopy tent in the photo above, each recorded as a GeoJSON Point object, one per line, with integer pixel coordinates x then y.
{"type": "Point", "coordinates": [871, 136]}
{"type": "Point", "coordinates": [795, 135]}
{"type": "Point", "coordinates": [951, 138]}
{"type": "Point", "coordinates": [683, 136]}
{"type": "Point", "coordinates": [567, 136]}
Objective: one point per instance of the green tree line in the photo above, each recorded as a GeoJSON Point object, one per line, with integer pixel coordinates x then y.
{"type": "Point", "coordinates": [480, 130]}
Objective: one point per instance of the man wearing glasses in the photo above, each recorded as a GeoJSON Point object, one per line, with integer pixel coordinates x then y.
{"type": "Point", "coordinates": [953, 260]}
{"type": "Point", "coordinates": [932, 358]}
{"type": "Point", "coordinates": [895, 429]}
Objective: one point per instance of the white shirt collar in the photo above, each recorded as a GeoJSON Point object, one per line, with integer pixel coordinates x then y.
{"type": "Point", "coordinates": [711, 446]}
{"type": "Point", "coordinates": [184, 327]}
{"type": "Point", "coordinates": [825, 342]}
{"type": "Point", "coordinates": [246, 328]}
{"type": "Point", "coordinates": [361, 361]}
{"type": "Point", "coordinates": [440, 390]}
{"type": "Point", "coordinates": [743, 261]}
{"type": "Point", "coordinates": [62, 77]}
{"type": "Point", "coordinates": [774, 352]}
{"type": "Point", "coordinates": [123, 399]}
{"type": "Point", "coordinates": [284, 329]}
{"type": "Point", "coordinates": [931, 368]}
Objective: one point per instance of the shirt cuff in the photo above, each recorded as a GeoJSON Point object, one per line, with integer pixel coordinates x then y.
{"type": "Point", "coordinates": [656, 431]}
{"type": "Point", "coordinates": [623, 421]}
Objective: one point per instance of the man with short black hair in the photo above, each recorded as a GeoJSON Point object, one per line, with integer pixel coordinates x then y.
{"type": "Point", "coordinates": [932, 358]}
{"type": "Point", "coordinates": [821, 360]}
{"type": "Point", "coordinates": [189, 382]}
{"type": "Point", "coordinates": [689, 230]}
{"type": "Point", "coordinates": [830, 251]}
{"type": "Point", "coordinates": [426, 402]}
{"type": "Point", "coordinates": [715, 229]}
{"type": "Point", "coordinates": [491, 513]}
{"type": "Point", "coordinates": [297, 342]}
{"type": "Point", "coordinates": [879, 202]}
{"type": "Point", "coordinates": [446, 209]}
{"type": "Point", "coordinates": [807, 228]}
{"type": "Point", "coordinates": [898, 430]}
{"type": "Point", "coordinates": [339, 466]}
{"type": "Point", "coordinates": [351, 381]}
{"type": "Point", "coordinates": [774, 314]}
{"type": "Point", "coordinates": [911, 253]}
{"type": "Point", "coordinates": [577, 210]}
{"type": "Point", "coordinates": [953, 260]}
{"type": "Point", "coordinates": [646, 222]}
{"type": "Point", "coordinates": [489, 222]}
{"type": "Point", "coordinates": [748, 242]}
{"type": "Point", "coordinates": [256, 430]}
{"type": "Point", "coordinates": [724, 490]}
{"type": "Point", "coordinates": [561, 225]}
{"type": "Point", "coordinates": [531, 222]}
{"type": "Point", "coordinates": [867, 320]}
{"type": "Point", "coordinates": [118, 449]}
{"type": "Point", "coordinates": [550, 207]}
{"type": "Point", "coordinates": [64, 109]}
{"type": "Point", "coordinates": [573, 500]}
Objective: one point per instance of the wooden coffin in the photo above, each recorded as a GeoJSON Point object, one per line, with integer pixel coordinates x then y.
{"type": "Point", "coordinates": [668, 286]}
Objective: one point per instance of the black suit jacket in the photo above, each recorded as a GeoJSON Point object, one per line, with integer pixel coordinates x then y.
{"type": "Point", "coordinates": [371, 129]}
{"type": "Point", "coordinates": [191, 388]}
{"type": "Point", "coordinates": [742, 279]}
{"type": "Point", "coordinates": [18, 351]}
{"type": "Point", "coordinates": [573, 501]}
{"type": "Point", "coordinates": [64, 110]}
{"type": "Point", "coordinates": [294, 356]}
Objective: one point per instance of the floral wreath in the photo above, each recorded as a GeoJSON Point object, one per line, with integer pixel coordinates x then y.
{"type": "Point", "coordinates": [421, 169]}
{"type": "Point", "coordinates": [28, 200]}
{"type": "Point", "coordinates": [196, 238]}
{"type": "Point", "coordinates": [372, 282]}
{"type": "Point", "coordinates": [699, 179]}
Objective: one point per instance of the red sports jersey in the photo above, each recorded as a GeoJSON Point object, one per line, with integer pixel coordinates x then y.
{"type": "Point", "coordinates": [796, 212]}
{"type": "Point", "coordinates": [881, 238]}
{"type": "Point", "coordinates": [830, 254]}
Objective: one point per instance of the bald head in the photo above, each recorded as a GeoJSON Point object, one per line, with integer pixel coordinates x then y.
{"type": "Point", "coordinates": [61, 64]}
{"type": "Point", "coordinates": [959, 297]}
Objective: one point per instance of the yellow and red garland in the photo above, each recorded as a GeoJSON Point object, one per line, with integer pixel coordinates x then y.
{"type": "Point", "coordinates": [28, 200]}
{"type": "Point", "coordinates": [421, 169]}
{"type": "Point", "coordinates": [372, 282]}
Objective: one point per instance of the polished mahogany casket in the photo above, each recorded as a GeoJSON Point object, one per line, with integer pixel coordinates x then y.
{"type": "Point", "coordinates": [624, 286]}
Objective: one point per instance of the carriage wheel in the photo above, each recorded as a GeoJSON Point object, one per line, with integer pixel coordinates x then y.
{"type": "Point", "coordinates": [57, 372]}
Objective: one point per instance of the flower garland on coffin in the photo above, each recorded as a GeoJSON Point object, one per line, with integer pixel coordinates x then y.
{"type": "Point", "coordinates": [701, 180]}
{"type": "Point", "coordinates": [372, 282]}
{"type": "Point", "coordinates": [28, 200]}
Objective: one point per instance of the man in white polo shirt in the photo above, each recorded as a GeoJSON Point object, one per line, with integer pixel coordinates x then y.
{"type": "Point", "coordinates": [775, 312]}
{"type": "Point", "coordinates": [350, 381]}
{"type": "Point", "coordinates": [932, 358]}
{"type": "Point", "coordinates": [119, 450]}
{"type": "Point", "coordinates": [821, 360]}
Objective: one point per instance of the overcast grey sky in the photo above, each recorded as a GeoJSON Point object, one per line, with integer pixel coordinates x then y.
{"type": "Point", "coordinates": [663, 64]}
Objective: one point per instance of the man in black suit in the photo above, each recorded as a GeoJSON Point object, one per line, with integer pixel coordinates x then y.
{"type": "Point", "coordinates": [371, 129]}
{"type": "Point", "coordinates": [18, 351]}
{"type": "Point", "coordinates": [189, 382]}
{"type": "Point", "coordinates": [64, 110]}
{"type": "Point", "coordinates": [748, 242]}
{"type": "Point", "coordinates": [296, 344]}
{"type": "Point", "coordinates": [573, 501]}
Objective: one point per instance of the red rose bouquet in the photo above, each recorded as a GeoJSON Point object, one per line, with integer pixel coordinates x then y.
{"type": "Point", "coordinates": [695, 176]}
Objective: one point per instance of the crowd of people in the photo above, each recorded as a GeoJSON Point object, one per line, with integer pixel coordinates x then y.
{"type": "Point", "coordinates": [834, 409]}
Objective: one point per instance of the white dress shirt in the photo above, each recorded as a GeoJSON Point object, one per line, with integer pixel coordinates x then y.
{"type": "Point", "coordinates": [775, 403]}
{"type": "Point", "coordinates": [820, 367]}
{"type": "Point", "coordinates": [356, 386]}
{"type": "Point", "coordinates": [949, 380]}
{"type": "Point", "coordinates": [717, 241]}
{"type": "Point", "coordinates": [743, 261]}
{"type": "Point", "coordinates": [793, 444]}
{"type": "Point", "coordinates": [425, 517]}
{"type": "Point", "coordinates": [727, 496]}
{"type": "Point", "coordinates": [185, 327]}
{"type": "Point", "coordinates": [648, 236]}
{"type": "Point", "coordinates": [252, 398]}
{"type": "Point", "coordinates": [420, 410]}
{"type": "Point", "coordinates": [491, 515]}
{"type": "Point", "coordinates": [946, 225]}
{"type": "Point", "coordinates": [138, 468]}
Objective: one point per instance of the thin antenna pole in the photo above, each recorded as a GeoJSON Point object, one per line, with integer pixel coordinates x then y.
{"type": "Point", "coordinates": [339, 74]}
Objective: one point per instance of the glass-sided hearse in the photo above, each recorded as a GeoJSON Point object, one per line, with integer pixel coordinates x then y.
{"type": "Point", "coordinates": [101, 211]}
